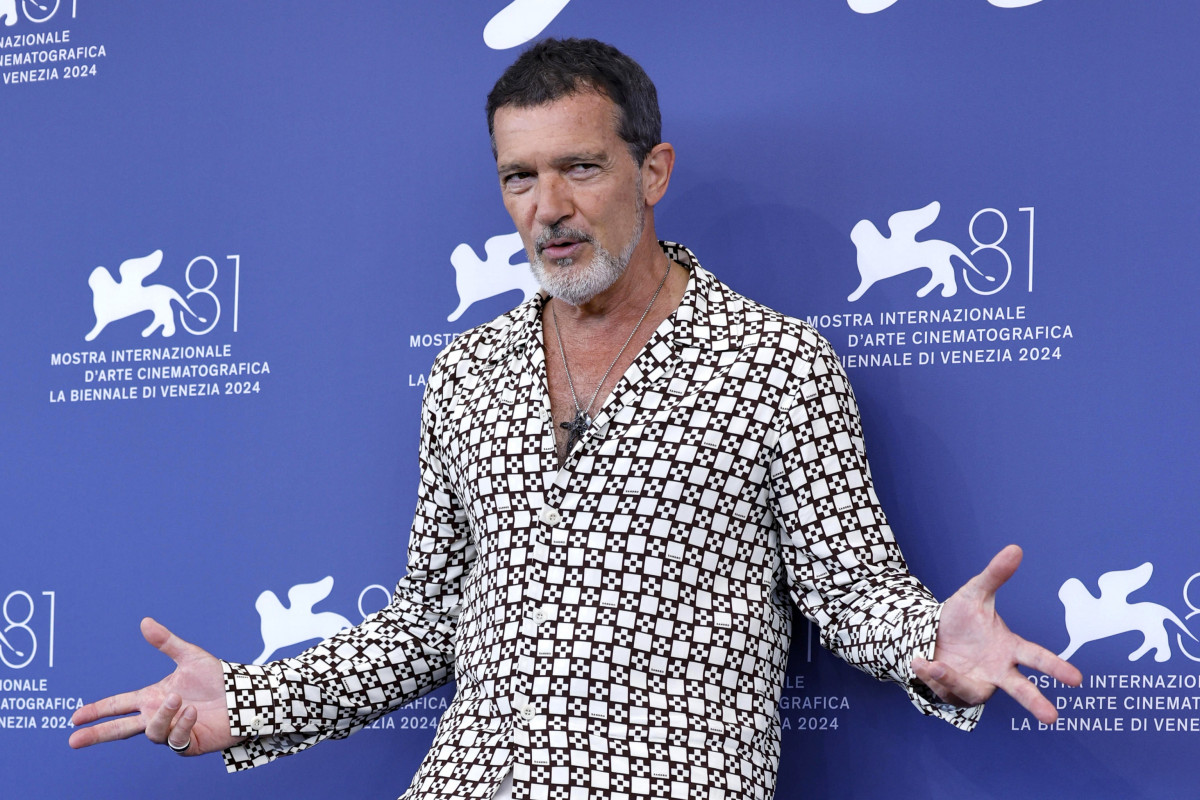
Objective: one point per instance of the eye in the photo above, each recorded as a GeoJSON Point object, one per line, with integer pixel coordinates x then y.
{"type": "Point", "coordinates": [516, 181]}
{"type": "Point", "coordinates": [583, 169]}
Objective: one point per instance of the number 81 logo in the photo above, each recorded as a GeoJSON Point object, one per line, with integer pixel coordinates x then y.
{"type": "Point", "coordinates": [207, 292]}
{"type": "Point", "coordinates": [882, 257]}
{"type": "Point", "coordinates": [19, 641]}
{"type": "Point", "coordinates": [36, 11]}
{"type": "Point", "coordinates": [996, 283]}
{"type": "Point", "coordinates": [114, 300]}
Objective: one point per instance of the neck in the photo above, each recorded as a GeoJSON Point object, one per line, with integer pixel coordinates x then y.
{"type": "Point", "coordinates": [594, 343]}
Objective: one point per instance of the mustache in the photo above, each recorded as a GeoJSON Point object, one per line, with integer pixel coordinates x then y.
{"type": "Point", "coordinates": [555, 232]}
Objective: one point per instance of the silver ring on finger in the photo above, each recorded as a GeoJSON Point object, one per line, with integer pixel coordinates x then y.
{"type": "Point", "coordinates": [178, 749]}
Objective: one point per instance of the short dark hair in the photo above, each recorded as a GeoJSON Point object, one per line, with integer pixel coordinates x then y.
{"type": "Point", "coordinates": [556, 68]}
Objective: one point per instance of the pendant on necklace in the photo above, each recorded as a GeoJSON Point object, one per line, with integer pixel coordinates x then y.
{"type": "Point", "coordinates": [576, 428]}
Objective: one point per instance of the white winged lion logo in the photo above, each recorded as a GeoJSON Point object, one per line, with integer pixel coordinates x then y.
{"type": "Point", "coordinates": [1089, 618]}
{"type": "Point", "coordinates": [874, 6]}
{"type": "Point", "coordinates": [882, 256]}
{"type": "Point", "coordinates": [477, 279]}
{"type": "Point", "coordinates": [520, 21]}
{"type": "Point", "coordinates": [113, 300]}
{"type": "Point", "coordinates": [283, 626]}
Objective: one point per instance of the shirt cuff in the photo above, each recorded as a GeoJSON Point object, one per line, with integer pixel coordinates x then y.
{"type": "Point", "coordinates": [251, 701]}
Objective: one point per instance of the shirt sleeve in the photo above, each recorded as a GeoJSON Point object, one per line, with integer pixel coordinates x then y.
{"type": "Point", "coordinates": [845, 570]}
{"type": "Point", "coordinates": [393, 657]}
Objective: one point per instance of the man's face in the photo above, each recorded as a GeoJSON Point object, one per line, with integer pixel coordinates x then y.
{"type": "Point", "coordinates": [573, 191]}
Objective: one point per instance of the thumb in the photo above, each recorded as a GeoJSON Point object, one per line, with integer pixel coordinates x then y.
{"type": "Point", "coordinates": [999, 570]}
{"type": "Point", "coordinates": [163, 640]}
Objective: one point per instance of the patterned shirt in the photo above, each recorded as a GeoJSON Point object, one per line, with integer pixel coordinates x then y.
{"type": "Point", "coordinates": [618, 626]}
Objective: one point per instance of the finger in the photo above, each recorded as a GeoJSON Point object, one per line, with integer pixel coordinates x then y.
{"type": "Point", "coordinates": [166, 642]}
{"type": "Point", "coordinates": [951, 685]}
{"type": "Point", "coordinates": [1037, 657]}
{"type": "Point", "coordinates": [115, 706]}
{"type": "Point", "coordinates": [181, 734]}
{"type": "Point", "coordinates": [159, 725]}
{"type": "Point", "coordinates": [999, 570]}
{"type": "Point", "coordinates": [110, 731]}
{"type": "Point", "coordinates": [1028, 695]}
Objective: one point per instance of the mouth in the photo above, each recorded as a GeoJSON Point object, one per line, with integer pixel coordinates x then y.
{"type": "Point", "coordinates": [561, 246]}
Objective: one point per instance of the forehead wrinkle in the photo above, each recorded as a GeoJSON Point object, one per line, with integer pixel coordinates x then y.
{"type": "Point", "coordinates": [512, 166]}
{"type": "Point", "coordinates": [531, 129]}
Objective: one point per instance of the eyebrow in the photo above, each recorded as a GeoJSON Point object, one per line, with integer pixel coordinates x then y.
{"type": "Point", "coordinates": [598, 157]}
{"type": "Point", "coordinates": [575, 158]}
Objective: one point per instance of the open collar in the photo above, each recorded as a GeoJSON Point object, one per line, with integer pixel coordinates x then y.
{"type": "Point", "coordinates": [709, 317]}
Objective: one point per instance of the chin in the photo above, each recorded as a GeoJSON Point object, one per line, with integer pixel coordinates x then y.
{"type": "Point", "coordinates": [577, 283]}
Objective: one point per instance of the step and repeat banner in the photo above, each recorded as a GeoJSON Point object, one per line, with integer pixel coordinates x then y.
{"type": "Point", "coordinates": [233, 237]}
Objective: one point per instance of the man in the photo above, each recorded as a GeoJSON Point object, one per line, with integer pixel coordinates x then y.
{"type": "Point", "coordinates": [626, 483]}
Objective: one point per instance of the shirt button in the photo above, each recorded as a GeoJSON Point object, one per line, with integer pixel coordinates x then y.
{"type": "Point", "coordinates": [257, 723]}
{"type": "Point", "coordinates": [550, 516]}
{"type": "Point", "coordinates": [539, 616]}
{"type": "Point", "coordinates": [527, 712]}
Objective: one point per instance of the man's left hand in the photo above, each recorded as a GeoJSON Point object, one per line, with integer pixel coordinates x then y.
{"type": "Point", "coordinates": [976, 653]}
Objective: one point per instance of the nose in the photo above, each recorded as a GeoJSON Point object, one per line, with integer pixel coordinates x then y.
{"type": "Point", "coordinates": [554, 202]}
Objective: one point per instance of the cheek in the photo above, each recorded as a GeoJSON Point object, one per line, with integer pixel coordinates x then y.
{"type": "Point", "coordinates": [530, 252]}
{"type": "Point", "coordinates": [521, 210]}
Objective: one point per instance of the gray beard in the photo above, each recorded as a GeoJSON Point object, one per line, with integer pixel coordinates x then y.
{"type": "Point", "coordinates": [579, 285]}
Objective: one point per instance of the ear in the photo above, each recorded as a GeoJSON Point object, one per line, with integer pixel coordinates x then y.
{"type": "Point", "coordinates": [656, 172]}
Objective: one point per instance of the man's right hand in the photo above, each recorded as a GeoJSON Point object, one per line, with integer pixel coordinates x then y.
{"type": "Point", "coordinates": [185, 708]}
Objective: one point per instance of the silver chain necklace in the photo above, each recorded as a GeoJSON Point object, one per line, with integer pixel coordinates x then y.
{"type": "Point", "coordinates": [582, 421]}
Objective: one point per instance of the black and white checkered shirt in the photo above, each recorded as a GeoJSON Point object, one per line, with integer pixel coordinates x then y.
{"type": "Point", "coordinates": [618, 627]}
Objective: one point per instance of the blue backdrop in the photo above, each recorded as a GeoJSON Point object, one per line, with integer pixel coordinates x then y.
{"type": "Point", "coordinates": [302, 177]}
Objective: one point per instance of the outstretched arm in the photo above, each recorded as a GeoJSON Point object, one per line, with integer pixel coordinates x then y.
{"type": "Point", "coordinates": [186, 708]}
{"type": "Point", "coordinates": [976, 653]}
